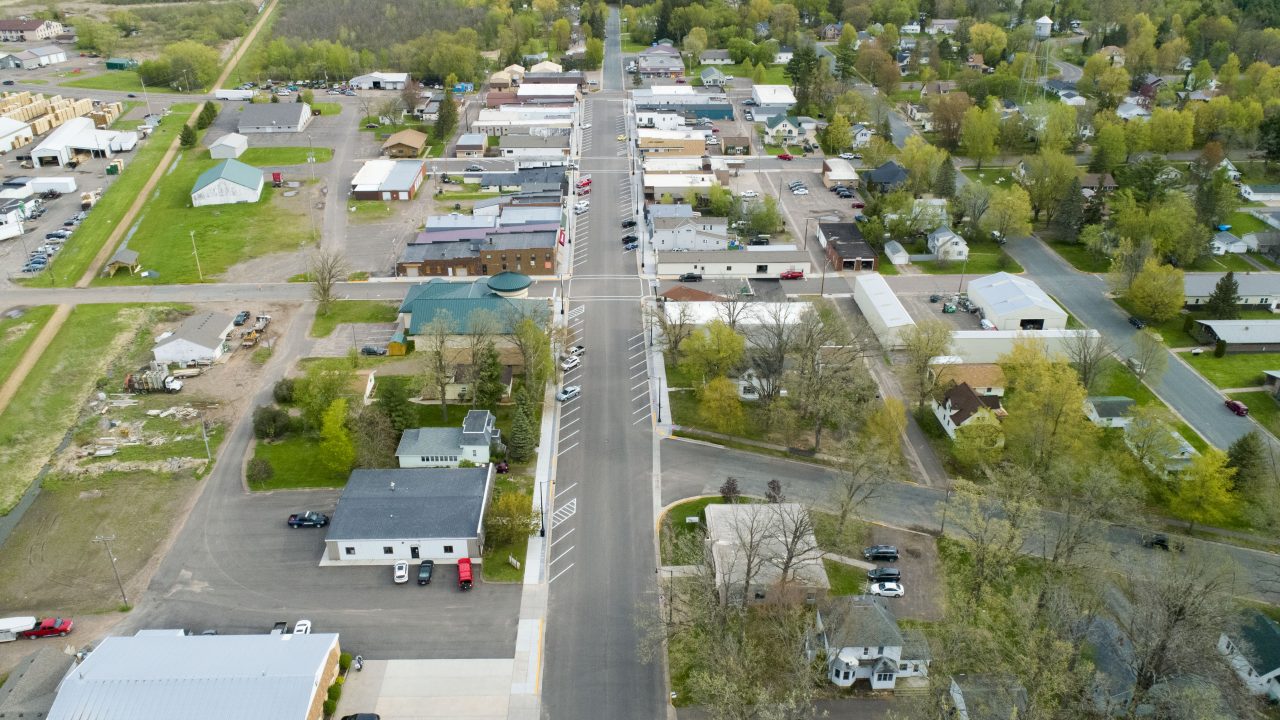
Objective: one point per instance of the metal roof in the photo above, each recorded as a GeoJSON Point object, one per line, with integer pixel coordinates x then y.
{"type": "Point", "coordinates": [233, 140]}
{"type": "Point", "coordinates": [425, 300]}
{"type": "Point", "coordinates": [274, 114]}
{"type": "Point", "coordinates": [199, 677]}
{"type": "Point", "coordinates": [206, 329]}
{"type": "Point", "coordinates": [430, 441]}
{"type": "Point", "coordinates": [1248, 332]}
{"type": "Point", "coordinates": [411, 503]}
{"type": "Point", "coordinates": [1250, 284]}
{"type": "Point", "coordinates": [719, 256]}
{"type": "Point", "coordinates": [232, 171]}
{"type": "Point", "coordinates": [1003, 293]}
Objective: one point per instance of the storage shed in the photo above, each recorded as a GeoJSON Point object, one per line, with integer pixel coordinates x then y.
{"type": "Point", "coordinates": [882, 309]}
{"type": "Point", "coordinates": [388, 180]}
{"type": "Point", "coordinates": [228, 147]}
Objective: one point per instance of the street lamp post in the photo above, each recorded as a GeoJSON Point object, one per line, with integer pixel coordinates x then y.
{"type": "Point", "coordinates": [106, 541]}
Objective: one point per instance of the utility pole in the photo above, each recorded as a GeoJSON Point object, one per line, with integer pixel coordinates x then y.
{"type": "Point", "coordinates": [196, 252]}
{"type": "Point", "coordinates": [106, 541]}
{"type": "Point", "coordinates": [204, 432]}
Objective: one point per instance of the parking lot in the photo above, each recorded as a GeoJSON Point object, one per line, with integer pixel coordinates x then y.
{"type": "Point", "coordinates": [920, 308]}
{"type": "Point", "coordinates": [354, 335]}
{"type": "Point", "coordinates": [921, 573]}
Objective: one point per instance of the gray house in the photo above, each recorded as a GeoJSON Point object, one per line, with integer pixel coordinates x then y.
{"type": "Point", "coordinates": [861, 641]}
{"type": "Point", "coordinates": [274, 118]}
{"type": "Point", "coordinates": [712, 77]}
{"type": "Point", "coordinates": [448, 447]}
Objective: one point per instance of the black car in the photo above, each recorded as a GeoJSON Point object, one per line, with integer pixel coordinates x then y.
{"type": "Point", "coordinates": [691, 277]}
{"type": "Point", "coordinates": [1160, 541]}
{"type": "Point", "coordinates": [628, 223]}
{"type": "Point", "coordinates": [880, 552]}
{"type": "Point", "coordinates": [629, 239]}
{"type": "Point", "coordinates": [371, 350]}
{"type": "Point", "coordinates": [8, 82]}
{"type": "Point", "coordinates": [1137, 322]}
{"type": "Point", "coordinates": [424, 572]}
{"type": "Point", "coordinates": [242, 317]}
{"type": "Point", "coordinates": [884, 574]}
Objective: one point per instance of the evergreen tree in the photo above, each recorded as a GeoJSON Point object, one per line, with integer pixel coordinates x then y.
{"type": "Point", "coordinates": [188, 136]}
{"type": "Point", "coordinates": [393, 396]}
{"type": "Point", "coordinates": [1248, 456]}
{"type": "Point", "coordinates": [945, 185]}
{"type": "Point", "coordinates": [207, 114]}
{"type": "Point", "coordinates": [1070, 216]}
{"type": "Point", "coordinates": [729, 491]}
{"type": "Point", "coordinates": [1223, 304]}
{"type": "Point", "coordinates": [488, 390]}
{"type": "Point", "coordinates": [447, 120]}
{"type": "Point", "coordinates": [522, 443]}
{"type": "Point", "coordinates": [757, 75]}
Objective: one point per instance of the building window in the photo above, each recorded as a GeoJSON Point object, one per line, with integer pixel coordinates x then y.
{"type": "Point", "coordinates": [880, 650]}
{"type": "Point", "coordinates": [448, 548]}
{"type": "Point", "coordinates": [386, 550]}
{"type": "Point", "coordinates": [846, 674]}
{"type": "Point", "coordinates": [762, 268]}
{"type": "Point", "coordinates": [884, 677]}
{"type": "Point", "coordinates": [902, 667]}
{"type": "Point", "coordinates": [349, 550]}
{"type": "Point", "coordinates": [866, 652]}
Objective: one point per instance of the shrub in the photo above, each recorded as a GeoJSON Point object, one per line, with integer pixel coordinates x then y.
{"type": "Point", "coordinates": [330, 707]}
{"type": "Point", "coordinates": [335, 692]}
{"type": "Point", "coordinates": [283, 391]}
{"type": "Point", "coordinates": [466, 464]}
{"type": "Point", "coordinates": [1220, 349]}
{"type": "Point", "coordinates": [271, 423]}
{"type": "Point", "coordinates": [344, 661]}
{"type": "Point", "coordinates": [259, 471]}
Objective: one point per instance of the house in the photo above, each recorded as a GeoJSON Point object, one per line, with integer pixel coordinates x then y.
{"type": "Point", "coordinates": [14, 134]}
{"type": "Point", "coordinates": [428, 513]}
{"type": "Point", "coordinates": [449, 446]}
{"type": "Point", "coordinates": [1058, 86]}
{"type": "Point", "coordinates": [837, 171]}
{"type": "Point", "coordinates": [388, 179]}
{"type": "Point", "coordinates": [1132, 111]}
{"type": "Point", "coordinates": [984, 378]}
{"type": "Point", "coordinates": [947, 245]}
{"type": "Point", "coordinates": [405, 144]}
{"type": "Point", "coordinates": [861, 135]}
{"type": "Point", "coordinates": [921, 114]}
{"type": "Point", "coordinates": [846, 248]}
{"type": "Point", "coordinates": [716, 57]}
{"type": "Point", "coordinates": [975, 61]}
{"type": "Point", "coordinates": [886, 178]}
{"type": "Point", "coordinates": [1179, 457]}
{"type": "Point", "coordinates": [1109, 411]}
{"type": "Point", "coordinates": [534, 146]}
{"type": "Point", "coordinates": [1224, 242]}
{"type": "Point", "coordinates": [502, 296]}
{"type": "Point", "coordinates": [782, 129]}
{"type": "Point", "coordinates": [882, 309]}
{"type": "Point", "coordinates": [693, 233]}
{"type": "Point", "coordinates": [470, 145]}
{"type": "Point", "coordinates": [1260, 193]}
{"type": "Point", "coordinates": [1114, 55]}
{"type": "Point", "coordinates": [547, 66]}
{"type": "Point", "coordinates": [1233, 173]}
{"type": "Point", "coordinates": [228, 182]}
{"type": "Point", "coordinates": [274, 118]}
{"type": "Point", "coordinates": [772, 100]}
{"type": "Point", "coordinates": [686, 294]}
{"type": "Point", "coordinates": [28, 30]}
{"type": "Point", "coordinates": [713, 77]}
{"type": "Point", "coordinates": [910, 28]}
{"type": "Point", "coordinates": [960, 406]}
{"type": "Point", "coordinates": [1094, 183]}
{"type": "Point", "coordinates": [945, 26]}
{"type": "Point", "coordinates": [500, 80]}
{"type": "Point", "coordinates": [1240, 336]}
{"type": "Point", "coordinates": [776, 529]}
{"type": "Point", "coordinates": [200, 338]}
{"type": "Point", "coordinates": [1253, 650]}
{"type": "Point", "coordinates": [831, 32]}
{"type": "Point", "coordinates": [1149, 85]}
{"type": "Point", "coordinates": [987, 697]}
{"type": "Point", "coordinates": [1071, 97]}
{"type": "Point", "coordinates": [161, 674]}
{"type": "Point", "coordinates": [861, 640]}
{"type": "Point", "coordinates": [783, 55]}
{"type": "Point", "coordinates": [1011, 302]}
{"type": "Point", "coordinates": [937, 88]}
{"type": "Point", "coordinates": [898, 255]}
{"type": "Point", "coordinates": [1259, 290]}
{"type": "Point", "coordinates": [734, 263]}
{"type": "Point", "coordinates": [228, 147]}
{"type": "Point", "coordinates": [1043, 27]}
{"type": "Point", "coordinates": [659, 66]}
{"type": "Point", "coordinates": [123, 259]}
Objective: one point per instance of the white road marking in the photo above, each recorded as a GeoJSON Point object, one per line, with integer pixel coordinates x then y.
{"type": "Point", "coordinates": [566, 437]}
{"type": "Point", "coordinates": [565, 425]}
{"type": "Point", "coordinates": [566, 534]}
{"type": "Point", "coordinates": [636, 365]}
{"type": "Point", "coordinates": [566, 449]}
{"type": "Point", "coordinates": [642, 408]}
{"type": "Point", "coordinates": [562, 491]}
{"type": "Point", "coordinates": [637, 422]}
{"type": "Point", "coordinates": [642, 382]}
{"type": "Point", "coordinates": [634, 337]}
{"type": "Point", "coordinates": [636, 355]}
{"type": "Point", "coordinates": [557, 575]}
{"type": "Point", "coordinates": [643, 394]}
{"type": "Point", "coordinates": [561, 555]}
{"type": "Point", "coordinates": [642, 372]}
{"type": "Point", "coordinates": [564, 512]}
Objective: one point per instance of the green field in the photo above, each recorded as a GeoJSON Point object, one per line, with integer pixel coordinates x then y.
{"type": "Point", "coordinates": [285, 155]}
{"type": "Point", "coordinates": [1242, 223]}
{"type": "Point", "coordinates": [17, 334]}
{"type": "Point", "coordinates": [49, 401]}
{"type": "Point", "coordinates": [1222, 263]}
{"type": "Point", "coordinates": [297, 464]}
{"type": "Point", "coordinates": [1233, 371]}
{"type": "Point", "coordinates": [993, 176]}
{"type": "Point", "coordinates": [327, 108]}
{"type": "Point", "coordinates": [1080, 257]}
{"type": "Point", "coordinates": [224, 234]}
{"type": "Point", "coordinates": [496, 566]}
{"type": "Point", "coordinates": [369, 211]}
{"type": "Point", "coordinates": [352, 311]}
{"type": "Point", "coordinates": [981, 262]}
{"type": "Point", "coordinates": [241, 74]}
{"type": "Point", "coordinates": [119, 80]}
{"type": "Point", "coordinates": [630, 47]}
{"type": "Point", "coordinates": [1118, 380]}
{"type": "Point", "coordinates": [845, 579]}
{"type": "Point", "coordinates": [87, 240]}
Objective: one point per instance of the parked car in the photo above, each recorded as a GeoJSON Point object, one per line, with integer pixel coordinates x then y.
{"type": "Point", "coordinates": [1137, 322]}
{"type": "Point", "coordinates": [400, 572]}
{"type": "Point", "coordinates": [302, 627]}
{"type": "Point", "coordinates": [464, 573]}
{"type": "Point", "coordinates": [1237, 407]}
{"type": "Point", "coordinates": [622, 138]}
{"type": "Point", "coordinates": [310, 518]}
{"type": "Point", "coordinates": [629, 239]}
{"type": "Point", "coordinates": [424, 572]}
{"type": "Point", "coordinates": [786, 156]}
{"type": "Point", "coordinates": [49, 627]}
{"type": "Point", "coordinates": [749, 194]}
{"type": "Point", "coordinates": [570, 363]}
{"type": "Point", "coordinates": [792, 275]}
{"type": "Point", "coordinates": [691, 277]}
{"type": "Point", "coordinates": [800, 191]}
{"type": "Point", "coordinates": [568, 392]}
{"type": "Point", "coordinates": [628, 224]}
{"type": "Point", "coordinates": [585, 126]}
{"type": "Point", "coordinates": [631, 246]}
{"type": "Point", "coordinates": [242, 317]}
{"type": "Point", "coordinates": [880, 552]}
{"type": "Point", "coordinates": [1160, 541]}
{"type": "Point", "coordinates": [846, 156]}
{"type": "Point", "coordinates": [371, 350]}
{"type": "Point", "coordinates": [884, 574]}
{"type": "Point", "coordinates": [8, 82]}
{"type": "Point", "coordinates": [576, 351]}
{"type": "Point", "coordinates": [888, 589]}
{"type": "Point", "coordinates": [858, 205]}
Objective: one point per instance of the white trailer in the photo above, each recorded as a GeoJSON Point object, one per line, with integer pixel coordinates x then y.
{"type": "Point", "coordinates": [11, 627]}
{"type": "Point", "coordinates": [10, 230]}
{"type": "Point", "coordinates": [62, 184]}
{"type": "Point", "coordinates": [233, 94]}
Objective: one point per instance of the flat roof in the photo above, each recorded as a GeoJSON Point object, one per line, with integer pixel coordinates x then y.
{"type": "Point", "coordinates": [886, 304]}
{"type": "Point", "coordinates": [719, 256]}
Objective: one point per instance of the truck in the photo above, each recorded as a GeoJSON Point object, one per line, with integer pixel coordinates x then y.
{"type": "Point", "coordinates": [12, 628]}
{"type": "Point", "coordinates": [261, 322]}
{"type": "Point", "coordinates": [250, 338]}
{"type": "Point", "coordinates": [233, 94]}
{"type": "Point", "coordinates": [154, 378]}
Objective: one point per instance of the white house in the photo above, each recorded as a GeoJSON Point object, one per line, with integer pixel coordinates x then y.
{"type": "Point", "coordinates": [716, 57]}
{"type": "Point", "coordinates": [1179, 457]}
{"type": "Point", "coordinates": [546, 66]}
{"type": "Point", "coordinates": [961, 405]}
{"type": "Point", "coordinates": [783, 55]}
{"type": "Point", "coordinates": [1109, 411]}
{"type": "Point", "coordinates": [782, 129]}
{"type": "Point", "coordinates": [693, 233]}
{"type": "Point", "coordinates": [947, 245]}
{"type": "Point", "coordinates": [282, 117]}
{"type": "Point", "coordinates": [946, 26]}
{"type": "Point", "coordinates": [862, 641]}
{"type": "Point", "coordinates": [1132, 111]}
{"type": "Point", "coordinates": [766, 526]}
{"type": "Point", "coordinates": [1256, 289]}
{"type": "Point", "coordinates": [897, 254]}
{"type": "Point", "coordinates": [228, 182]}
{"type": "Point", "coordinates": [1233, 173]}
{"type": "Point", "coordinates": [14, 134]}
{"type": "Point", "coordinates": [884, 312]}
{"type": "Point", "coordinates": [447, 446]}
{"type": "Point", "coordinates": [380, 81]}
{"type": "Point", "coordinates": [200, 338]}
{"type": "Point", "coordinates": [534, 146]}
{"type": "Point", "coordinates": [228, 147]}
{"type": "Point", "coordinates": [911, 28]}
{"type": "Point", "coordinates": [1011, 302]}
{"type": "Point", "coordinates": [1224, 242]}
{"type": "Point", "coordinates": [1254, 653]}
{"type": "Point", "coordinates": [1260, 193]}
{"type": "Point", "coordinates": [385, 516]}
{"type": "Point", "coordinates": [861, 135]}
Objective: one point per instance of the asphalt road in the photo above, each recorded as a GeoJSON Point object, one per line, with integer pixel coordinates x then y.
{"type": "Point", "coordinates": [602, 545]}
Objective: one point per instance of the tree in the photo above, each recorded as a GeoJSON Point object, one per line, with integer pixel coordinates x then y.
{"type": "Point", "coordinates": [757, 75]}
{"type": "Point", "coordinates": [673, 324]}
{"type": "Point", "coordinates": [188, 137]}
{"type": "Point", "coordinates": [972, 202]}
{"type": "Point", "coordinates": [1088, 353]}
{"type": "Point", "coordinates": [337, 451]}
{"type": "Point", "coordinates": [270, 423]}
{"type": "Point", "coordinates": [922, 342]}
{"type": "Point", "coordinates": [988, 41]}
{"type": "Point", "coordinates": [433, 340]}
{"type": "Point", "coordinates": [258, 472]}
{"type": "Point", "coordinates": [1171, 130]}
{"type": "Point", "coordinates": [922, 162]}
{"type": "Point", "coordinates": [1045, 428]}
{"type": "Point", "coordinates": [1203, 493]}
{"type": "Point", "coordinates": [185, 66]}
{"type": "Point", "coordinates": [488, 377]}
{"type": "Point", "coordinates": [991, 534]}
{"type": "Point", "coordinates": [325, 269]}
{"type": "Point", "coordinates": [719, 407]}
{"type": "Point", "coordinates": [318, 388]}
{"type": "Point", "coordinates": [1048, 178]}
{"type": "Point", "coordinates": [208, 112]}
{"type": "Point", "coordinates": [375, 438]}
{"type": "Point", "coordinates": [1149, 434]}
{"type": "Point", "coordinates": [949, 115]}
{"type": "Point", "coordinates": [1157, 291]}
{"type": "Point", "coordinates": [945, 185]}
{"type": "Point", "coordinates": [879, 68]}
{"type": "Point", "coordinates": [483, 326]}
{"type": "Point", "coordinates": [594, 56]}
{"type": "Point", "coordinates": [447, 119]}
{"type": "Point", "coordinates": [771, 342]}
{"type": "Point", "coordinates": [1224, 302]}
{"type": "Point", "coordinates": [838, 135]}
{"type": "Point", "coordinates": [1269, 137]}
{"type": "Point", "coordinates": [694, 44]}
{"type": "Point", "coordinates": [1151, 355]}
{"type": "Point", "coordinates": [773, 492]}
{"type": "Point", "coordinates": [1009, 213]}
{"type": "Point", "coordinates": [1108, 149]}
{"type": "Point", "coordinates": [764, 218]}
{"type": "Point", "coordinates": [729, 491]}
{"type": "Point", "coordinates": [561, 34]}
{"type": "Point", "coordinates": [523, 436]}
{"type": "Point", "coordinates": [1215, 196]}
{"type": "Point", "coordinates": [828, 380]}
{"type": "Point", "coordinates": [713, 352]}
{"type": "Point", "coordinates": [1248, 457]}
{"type": "Point", "coordinates": [510, 518]}
{"type": "Point", "coordinates": [978, 132]}
{"type": "Point", "coordinates": [1070, 215]}
{"type": "Point", "coordinates": [866, 468]}
{"type": "Point", "coordinates": [1060, 128]}
{"type": "Point", "coordinates": [392, 394]}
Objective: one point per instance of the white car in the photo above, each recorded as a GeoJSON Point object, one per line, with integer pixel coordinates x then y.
{"type": "Point", "coordinates": [888, 589]}
{"type": "Point", "coordinates": [846, 156]}
{"type": "Point", "coordinates": [748, 194]}
{"type": "Point", "coordinates": [713, 141]}
{"type": "Point", "coordinates": [400, 573]}
{"type": "Point", "coordinates": [586, 126]}
{"type": "Point", "coordinates": [568, 392]}
{"type": "Point", "coordinates": [570, 363]}
{"type": "Point", "coordinates": [302, 627]}
{"type": "Point", "coordinates": [800, 191]}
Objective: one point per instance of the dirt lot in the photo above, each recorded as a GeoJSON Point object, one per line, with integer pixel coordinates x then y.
{"type": "Point", "coordinates": [921, 575]}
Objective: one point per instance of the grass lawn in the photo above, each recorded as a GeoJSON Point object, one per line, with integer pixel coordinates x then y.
{"type": "Point", "coordinates": [845, 579]}
{"type": "Point", "coordinates": [284, 155]}
{"type": "Point", "coordinates": [1242, 223]}
{"type": "Point", "coordinates": [1222, 263]}
{"type": "Point", "coordinates": [887, 268]}
{"type": "Point", "coordinates": [675, 525]}
{"type": "Point", "coordinates": [47, 404]}
{"type": "Point", "coordinates": [327, 108]}
{"type": "Point", "coordinates": [985, 258]}
{"type": "Point", "coordinates": [1233, 371]}
{"type": "Point", "coordinates": [1263, 408]}
{"type": "Point", "coordinates": [362, 211]}
{"type": "Point", "coordinates": [352, 311]}
{"type": "Point", "coordinates": [435, 151]}
{"type": "Point", "coordinates": [684, 408]}
{"type": "Point", "coordinates": [1080, 257]}
{"type": "Point", "coordinates": [119, 80]}
{"type": "Point", "coordinates": [17, 334]}
{"type": "Point", "coordinates": [297, 464]}
{"type": "Point", "coordinates": [630, 47]}
{"type": "Point", "coordinates": [241, 72]}
{"type": "Point", "coordinates": [993, 176]}
{"type": "Point", "coordinates": [1116, 379]}
{"type": "Point", "coordinates": [391, 128]}
{"type": "Point", "coordinates": [779, 149]}
{"type": "Point", "coordinates": [87, 240]}
{"type": "Point", "coordinates": [224, 234]}
{"type": "Point", "coordinates": [496, 566]}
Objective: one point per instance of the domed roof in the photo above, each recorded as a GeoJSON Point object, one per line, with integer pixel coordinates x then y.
{"type": "Point", "coordinates": [509, 282]}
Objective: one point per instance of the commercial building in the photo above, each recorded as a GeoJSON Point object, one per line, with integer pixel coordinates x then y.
{"type": "Point", "coordinates": [652, 65]}
{"type": "Point", "coordinates": [554, 92]}
{"type": "Point", "coordinates": [846, 247]}
{"type": "Point", "coordinates": [691, 143]}
{"type": "Point", "coordinates": [28, 30]}
{"type": "Point", "coordinates": [226, 183]}
{"type": "Point", "coordinates": [470, 145]}
{"type": "Point", "coordinates": [388, 180]}
{"type": "Point", "coordinates": [525, 120]}
{"type": "Point", "coordinates": [533, 146]}
{"type": "Point", "coordinates": [42, 57]}
{"type": "Point", "coordinates": [1015, 303]}
{"type": "Point", "coordinates": [684, 99]}
{"type": "Point", "coordinates": [78, 135]}
{"type": "Point", "coordinates": [839, 172]}
{"type": "Point", "coordinates": [771, 100]}
{"type": "Point", "coordinates": [405, 144]}
{"type": "Point", "coordinates": [200, 338]}
{"type": "Point", "coordinates": [503, 295]}
{"type": "Point", "coordinates": [165, 674]}
{"type": "Point", "coordinates": [532, 252]}
{"type": "Point", "coordinates": [681, 187]}
{"type": "Point", "coordinates": [380, 81]}
{"type": "Point", "coordinates": [734, 263]}
{"type": "Point", "coordinates": [274, 118]}
{"type": "Point", "coordinates": [14, 134]}
{"type": "Point", "coordinates": [385, 516]}
{"type": "Point", "coordinates": [228, 147]}
{"type": "Point", "coordinates": [882, 309]}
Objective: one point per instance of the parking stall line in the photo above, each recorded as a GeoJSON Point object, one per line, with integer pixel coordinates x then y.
{"type": "Point", "coordinates": [642, 372]}
{"type": "Point", "coordinates": [640, 384]}
{"type": "Point", "coordinates": [566, 534]}
{"type": "Point", "coordinates": [642, 419]}
{"type": "Point", "coordinates": [642, 408]}
{"type": "Point", "coordinates": [643, 394]}
{"type": "Point", "coordinates": [557, 575]}
{"type": "Point", "coordinates": [565, 490]}
{"type": "Point", "coordinates": [636, 355]}
{"type": "Point", "coordinates": [565, 425]}
{"type": "Point", "coordinates": [566, 449]}
{"type": "Point", "coordinates": [561, 555]}
{"type": "Point", "coordinates": [637, 364]}
{"type": "Point", "coordinates": [566, 437]}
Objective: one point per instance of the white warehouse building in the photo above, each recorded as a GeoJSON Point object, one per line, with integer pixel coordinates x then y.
{"type": "Point", "coordinates": [1016, 303]}
{"type": "Point", "coordinates": [78, 135]}
{"type": "Point", "coordinates": [733, 263]}
{"type": "Point", "coordinates": [380, 81]}
{"type": "Point", "coordinates": [884, 312]}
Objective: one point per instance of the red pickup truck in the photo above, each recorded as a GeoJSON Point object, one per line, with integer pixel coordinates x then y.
{"type": "Point", "coordinates": [49, 626]}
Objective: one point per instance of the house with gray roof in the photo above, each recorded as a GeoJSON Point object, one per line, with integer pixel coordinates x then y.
{"type": "Point", "coordinates": [716, 56]}
{"type": "Point", "coordinates": [274, 118]}
{"type": "Point", "coordinates": [449, 446]}
{"type": "Point", "coordinates": [861, 640]}
{"type": "Point", "coordinates": [1108, 411]}
{"type": "Point", "coordinates": [200, 338]}
{"type": "Point", "coordinates": [1255, 289]}
{"type": "Point", "coordinates": [713, 77]}
{"type": "Point", "coordinates": [1253, 650]}
{"type": "Point", "coordinates": [765, 575]}
{"type": "Point", "coordinates": [385, 516]}
{"type": "Point", "coordinates": [1240, 336]}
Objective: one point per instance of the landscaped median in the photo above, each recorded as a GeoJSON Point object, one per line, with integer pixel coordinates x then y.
{"type": "Point", "coordinates": [87, 240]}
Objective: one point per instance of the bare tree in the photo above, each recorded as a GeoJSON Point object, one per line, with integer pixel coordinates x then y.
{"type": "Point", "coordinates": [1151, 358]}
{"type": "Point", "coordinates": [733, 301]}
{"type": "Point", "coordinates": [922, 342]}
{"type": "Point", "coordinates": [795, 543]}
{"type": "Point", "coordinates": [409, 95]}
{"type": "Point", "coordinates": [326, 269]}
{"type": "Point", "coordinates": [828, 376]}
{"type": "Point", "coordinates": [439, 369]}
{"type": "Point", "coordinates": [1088, 351]}
{"type": "Point", "coordinates": [864, 473]}
{"type": "Point", "coordinates": [771, 342]}
{"type": "Point", "coordinates": [752, 531]}
{"type": "Point", "coordinates": [528, 332]}
{"type": "Point", "coordinates": [672, 324]}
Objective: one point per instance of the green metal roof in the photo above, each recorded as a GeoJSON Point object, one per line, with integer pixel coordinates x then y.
{"type": "Point", "coordinates": [232, 171]}
{"type": "Point", "coordinates": [509, 282]}
{"type": "Point", "coordinates": [425, 301]}
{"type": "Point", "coordinates": [776, 120]}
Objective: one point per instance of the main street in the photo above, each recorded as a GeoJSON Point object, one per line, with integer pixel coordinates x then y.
{"type": "Point", "coordinates": [602, 544]}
